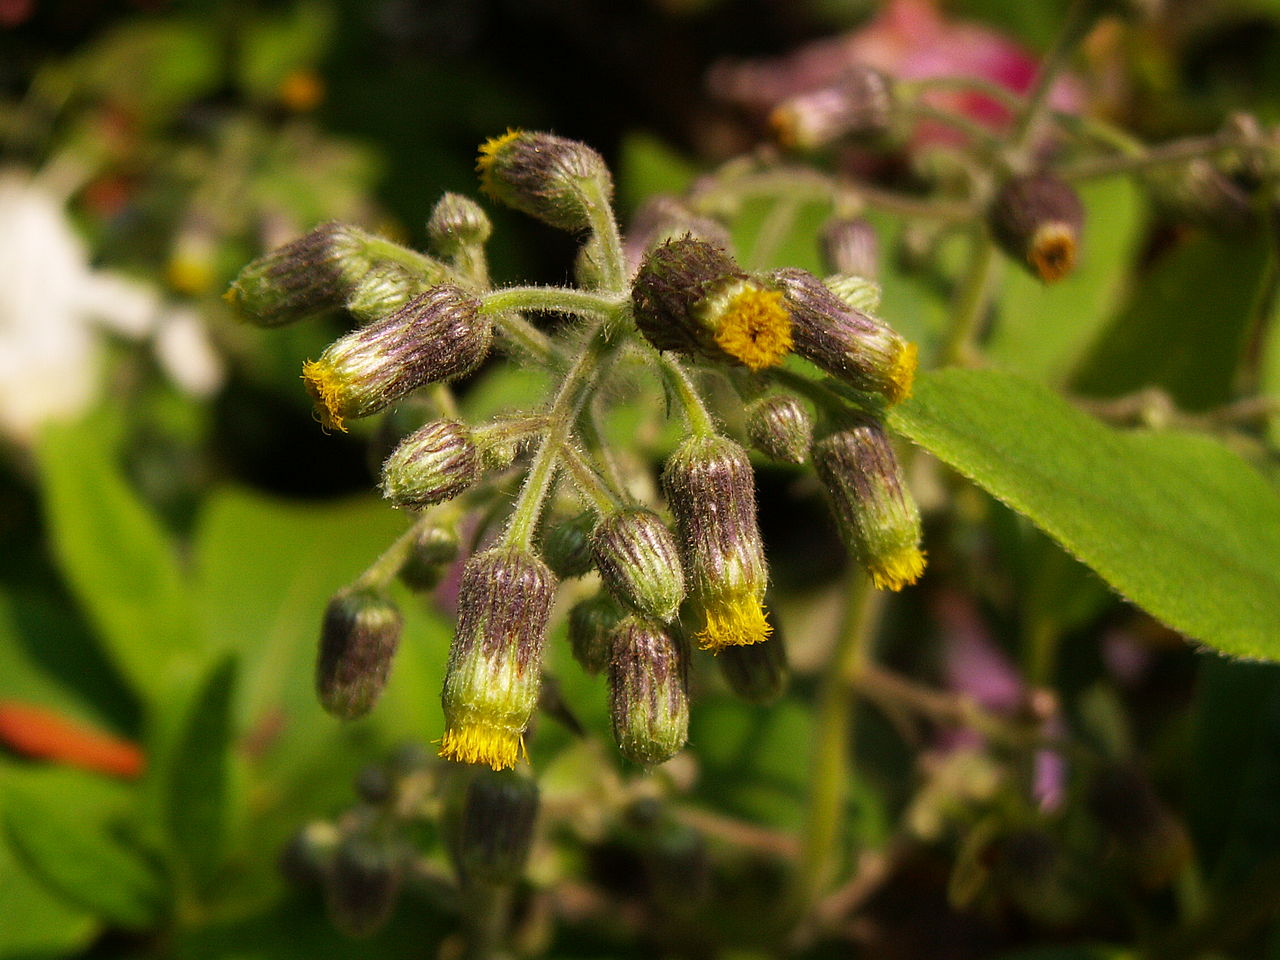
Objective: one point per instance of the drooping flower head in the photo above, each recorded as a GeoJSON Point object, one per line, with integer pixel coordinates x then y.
{"type": "Point", "coordinates": [710, 489]}
{"type": "Point", "coordinates": [495, 662]}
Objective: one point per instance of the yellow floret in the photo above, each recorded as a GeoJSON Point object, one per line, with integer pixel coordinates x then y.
{"type": "Point", "coordinates": [326, 389]}
{"type": "Point", "coordinates": [897, 569]}
{"type": "Point", "coordinates": [1053, 251]}
{"type": "Point", "coordinates": [755, 328]}
{"type": "Point", "coordinates": [489, 151]}
{"type": "Point", "coordinates": [735, 621]}
{"type": "Point", "coordinates": [496, 747]}
{"type": "Point", "coordinates": [902, 373]}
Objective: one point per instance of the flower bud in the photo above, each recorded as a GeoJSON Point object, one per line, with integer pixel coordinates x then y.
{"type": "Point", "coordinates": [436, 336]}
{"type": "Point", "coordinates": [308, 276]}
{"type": "Point", "coordinates": [364, 885]}
{"type": "Point", "coordinates": [859, 104]}
{"type": "Point", "coordinates": [850, 246]}
{"type": "Point", "coordinates": [566, 546]}
{"type": "Point", "coordinates": [758, 673]}
{"type": "Point", "coordinates": [857, 293]}
{"type": "Point", "coordinates": [639, 562]}
{"type": "Point", "coordinates": [591, 623]}
{"type": "Point", "coordinates": [495, 661]}
{"type": "Point", "coordinates": [544, 176]}
{"type": "Point", "coordinates": [490, 826]}
{"type": "Point", "coordinates": [854, 348]}
{"type": "Point", "coordinates": [358, 641]}
{"type": "Point", "coordinates": [433, 464]}
{"type": "Point", "coordinates": [662, 218]}
{"type": "Point", "coordinates": [433, 549]}
{"type": "Point", "coordinates": [457, 224]}
{"type": "Point", "coordinates": [1197, 192]}
{"type": "Point", "coordinates": [711, 491]}
{"type": "Point", "coordinates": [780, 427]}
{"type": "Point", "coordinates": [308, 856]}
{"type": "Point", "coordinates": [648, 690]}
{"type": "Point", "coordinates": [386, 288]}
{"type": "Point", "coordinates": [691, 297]}
{"type": "Point", "coordinates": [1036, 220]}
{"type": "Point", "coordinates": [875, 513]}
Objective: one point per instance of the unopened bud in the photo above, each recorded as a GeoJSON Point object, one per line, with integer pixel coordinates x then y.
{"type": "Point", "coordinates": [689, 296]}
{"type": "Point", "coordinates": [1037, 219]}
{"type": "Point", "coordinates": [364, 885]}
{"type": "Point", "coordinates": [495, 661]}
{"type": "Point", "coordinates": [490, 826]}
{"type": "Point", "coordinates": [874, 511]}
{"type": "Point", "coordinates": [544, 176]}
{"type": "Point", "coordinates": [308, 276]}
{"type": "Point", "coordinates": [457, 224]}
{"type": "Point", "coordinates": [591, 623]}
{"type": "Point", "coordinates": [436, 336]}
{"type": "Point", "coordinates": [308, 856]}
{"type": "Point", "coordinates": [431, 465]}
{"type": "Point", "coordinates": [1199, 193]}
{"type": "Point", "coordinates": [648, 690]}
{"type": "Point", "coordinates": [358, 641]}
{"type": "Point", "coordinates": [664, 218]}
{"type": "Point", "coordinates": [374, 785]}
{"type": "Point", "coordinates": [639, 562]}
{"type": "Point", "coordinates": [850, 246]}
{"type": "Point", "coordinates": [566, 546]}
{"type": "Point", "coordinates": [859, 104]}
{"type": "Point", "coordinates": [758, 673]}
{"type": "Point", "coordinates": [854, 348]}
{"type": "Point", "coordinates": [710, 489]}
{"type": "Point", "coordinates": [434, 548]}
{"type": "Point", "coordinates": [858, 293]}
{"type": "Point", "coordinates": [779, 426]}
{"type": "Point", "coordinates": [386, 288]}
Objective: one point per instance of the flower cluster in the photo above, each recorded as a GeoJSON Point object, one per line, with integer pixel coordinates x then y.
{"type": "Point", "coordinates": [814, 369]}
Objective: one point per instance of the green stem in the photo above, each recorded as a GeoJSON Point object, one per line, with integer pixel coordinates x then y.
{"type": "Point", "coordinates": [582, 303]}
{"type": "Point", "coordinates": [485, 912]}
{"type": "Point", "coordinates": [695, 411]}
{"type": "Point", "coordinates": [1262, 315]}
{"type": "Point", "coordinates": [1073, 31]}
{"type": "Point", "coordinates": [384, 569]}
{"type": "Point", "coordinates": [592, 435]}
{"type": "Point", "coordinates": [592, 485]}
{"type": "Point", "coordinates": [971, 302]}
{"type": "Point", "coordinates": [821, 842]}
{"type": "Point", "coordinates": [1179, 151]}
{"type": "Point", "coordinates": [564, 412]}
{"type": "Point", "coordinates": [604, 225]}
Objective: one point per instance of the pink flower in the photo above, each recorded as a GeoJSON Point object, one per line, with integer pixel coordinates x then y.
{"type": "Point", "coordinates": [909, 40]}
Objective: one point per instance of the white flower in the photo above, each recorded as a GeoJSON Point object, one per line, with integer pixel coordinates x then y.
{"type": "Point", "coordinates": [50, 303]}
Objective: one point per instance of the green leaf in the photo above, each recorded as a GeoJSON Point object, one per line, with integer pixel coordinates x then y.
{"type": "Point", "coordinates": [1184, 328]}
{"type": "Point", "coordinates": [64, 826]}
{"type": "Point", "coordinates": [648, 166]}
{"type": "Point", "coordinates": [1174, 522]}
{"type": "Point", "coordinates": [199, 773]}
{"type": "Point", "coordinates": [115, 556]}
{"type": "Point", "coordinates": [1042, 329]}
{"type": "Point", "coordinates": [271, 47]}
{"type": "Point", "coordinates": [37, 922]}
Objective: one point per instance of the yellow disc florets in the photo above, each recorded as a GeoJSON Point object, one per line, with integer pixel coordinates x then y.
{"type": "Point", "coordinates": [1052, 252]}
{"type": "Point", "coordinates": [902, 373]}
{"type": "Point", "coordinates": [496, 747]}
{"type": "Point", "coordinates": [489, 151]}
{"type": "Point", "coordinates": [326, 389]}
{"type": "Point", "coordinates": [896, 569]}
{"type": "Point", "coordinates": [735, 621]}
{"type": "Point", "coordinates": [753, 327]}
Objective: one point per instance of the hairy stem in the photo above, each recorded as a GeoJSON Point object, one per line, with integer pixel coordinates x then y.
{"type": "Point", "coordinates": [678, 382]}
